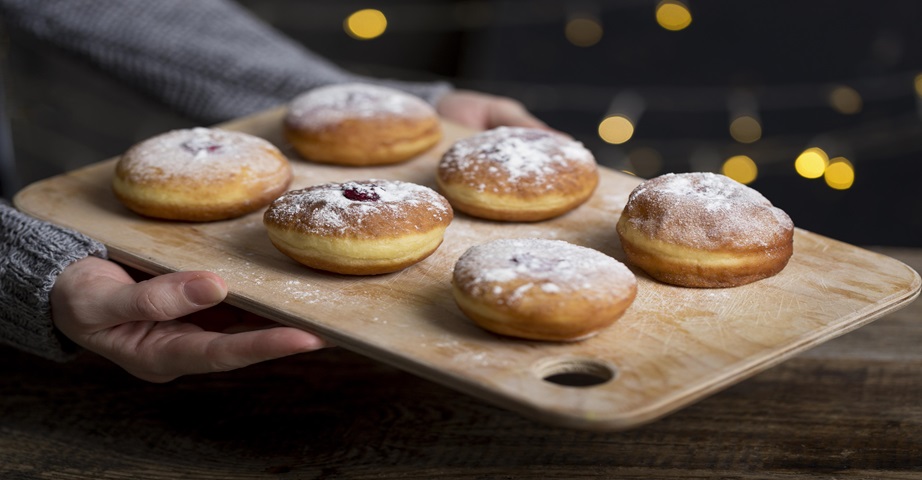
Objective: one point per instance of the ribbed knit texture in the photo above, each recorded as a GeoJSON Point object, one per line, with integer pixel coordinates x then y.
{"type": "Point", "coordinates": [32, 254]}
{"type": "Point", "coordinates": [209, 59]}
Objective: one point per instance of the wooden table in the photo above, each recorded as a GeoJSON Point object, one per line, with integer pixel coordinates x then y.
{"type": "Point", "coordinates": [850, 408]}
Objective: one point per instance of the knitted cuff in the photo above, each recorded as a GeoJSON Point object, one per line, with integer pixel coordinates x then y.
{"type": "Point", "coordinates": [32, 254]}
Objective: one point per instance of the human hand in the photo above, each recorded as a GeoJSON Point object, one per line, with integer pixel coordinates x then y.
{"type": "Point", "coordinates": [154, 329]}
{"type": "Point", "coordinates": [483, 111]}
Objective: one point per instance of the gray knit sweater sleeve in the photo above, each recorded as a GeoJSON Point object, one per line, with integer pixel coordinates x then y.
{"type": "Point", "coordinates": [209, 59]}
{"type": "Point", "coordinates": [32, 254]}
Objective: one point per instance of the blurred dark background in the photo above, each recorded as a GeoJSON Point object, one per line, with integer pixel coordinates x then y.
{"type": "Point", "coordinates": [842, 76]}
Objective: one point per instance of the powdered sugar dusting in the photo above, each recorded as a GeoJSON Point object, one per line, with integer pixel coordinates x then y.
{"type": "Point", "coordinates": [330, 208]}
{"type": "Point", "coordinates": [200, 154]}
{"type": "Point", "coordinates": [332, 104]}
{"type": "Point", "coordinates": [705, 210]}
{"type": "Point", "coordinates": [510, 155]}
{"type": "Point", "coordinates": [554, 267]}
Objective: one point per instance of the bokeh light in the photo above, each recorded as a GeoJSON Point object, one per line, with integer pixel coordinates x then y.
{"type": "Point", "coordinates": [840, 174]}
{"type": "Point", "coordinates": [745, 129]}
{"type": "Point", "coordinates": [366, 24]}
{"type": "Point", "coordinates": [740, 168]}
{"type": "Point", "coordinates": [845, 100]}
{"type": "Point", "coordinates": [616, 129]}
{"type": "Point", "coordinates": [583, 32]}
{"type": "Point", "coordinates": [673, 15]}
{"type": "Point", "coordinates": [811, 163]}
{"type": "Point", "coordinates": [918, 84]}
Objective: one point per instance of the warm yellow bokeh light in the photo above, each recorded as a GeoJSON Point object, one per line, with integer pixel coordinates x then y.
{"type": "Point", "coordinates": [845, 100]}
{"type": "Point", "coordinates": [811, 163]}
{"type": "Point", "coordinates": [918, 83]}
{"type": "Point", "coordinates": [840, 174]}
{"type": "Point", "coordinates": [616, 129]}
{"type": "Point", "coordinates": [740, 168]}
{"type": "Point", "coordinates": [366, 24]}
{"type": "Point", "coordinates": [673, 15]}
{"type": "Point", "coordinates": [745, 129]}
{"type": "Point", "coordinates": [583, 32]}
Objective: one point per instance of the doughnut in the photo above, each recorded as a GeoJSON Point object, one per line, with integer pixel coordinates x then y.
{"type": "Point", "coordinates": [363, 227]}
{"type": "Point", "coordinates": [704, 230]}
{"type": "Point", "coordinates": [541, 289]}
{"type": "Point", "coordinates": [517, 174]}
{"type": "Point", "coordinates": [359, 124]}
{"type": "Point", "coordinates": [200, 174]}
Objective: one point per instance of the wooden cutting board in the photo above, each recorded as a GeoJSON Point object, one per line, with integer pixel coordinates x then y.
{"type": "Point", "coordinates": [674, 345]}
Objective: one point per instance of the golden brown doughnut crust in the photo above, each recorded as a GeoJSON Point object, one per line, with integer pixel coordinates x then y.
{"type": "Point", "coordinates": [363, 227]}
{"type": "Point", "coordinates": [704, 230]}
{"type": "Point", "coordinates": [359, 124]}
{"type": "Point", "coordinates": [200, 174]}
{"type": "Point", "coordinates": [541, 289]}
{"type": "Point", "coordinates": [517, 174]}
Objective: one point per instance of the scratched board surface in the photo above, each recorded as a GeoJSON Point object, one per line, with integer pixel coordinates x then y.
{"type": "Point", "coordinates": [673, 346]}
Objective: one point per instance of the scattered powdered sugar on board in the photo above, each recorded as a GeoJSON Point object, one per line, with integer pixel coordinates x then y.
{"type": "Point", "coordinates": [705, 210]}
{"type": "Point", "coordinates": [352, 208]}
{"type": "Point", "coordinates": [332, 104]}
{"type": "Point", "coordinates": [513, 154]}
{"type": "Point", "coordinates": [554, 267]}
{"type": "Point", "coordinates": [288, 290]}
{"type": "Point", "coordinates": [303, 292]}
{"type": "Point", "coordinates": [201, 154]}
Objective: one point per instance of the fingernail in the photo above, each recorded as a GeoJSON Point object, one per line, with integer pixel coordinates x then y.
{"type": "Point", "coordinates": [203, 291]}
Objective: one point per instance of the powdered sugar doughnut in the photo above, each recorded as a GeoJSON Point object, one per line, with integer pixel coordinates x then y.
{"type": "Point", "coordinates": [359, 124]}
{"type": "Point", "coordinates": [541, 289]}
{"type": "Point", "coordinates": [359, 228]}
{"type": "Point", "coordinates": [200, 174]}
{"type": "Point", "coordinates": [704, 230]}
{"type": "Point", "coordinates": [517, 174]}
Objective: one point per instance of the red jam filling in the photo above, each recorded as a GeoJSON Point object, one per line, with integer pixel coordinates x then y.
{"type": "Point", "coordinates": [360, 193]}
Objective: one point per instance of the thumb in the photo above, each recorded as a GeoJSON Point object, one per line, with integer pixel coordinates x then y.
{"type": "Point", "coordinates": [169, 296]}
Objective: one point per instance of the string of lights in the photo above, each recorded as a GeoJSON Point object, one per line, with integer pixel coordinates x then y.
{"type": "Point", "coordinates": [743, 151]}
{"type": "Point", "coordinates": [627, 107]}
{"type": "Point", "coordinates": [422, 16]}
